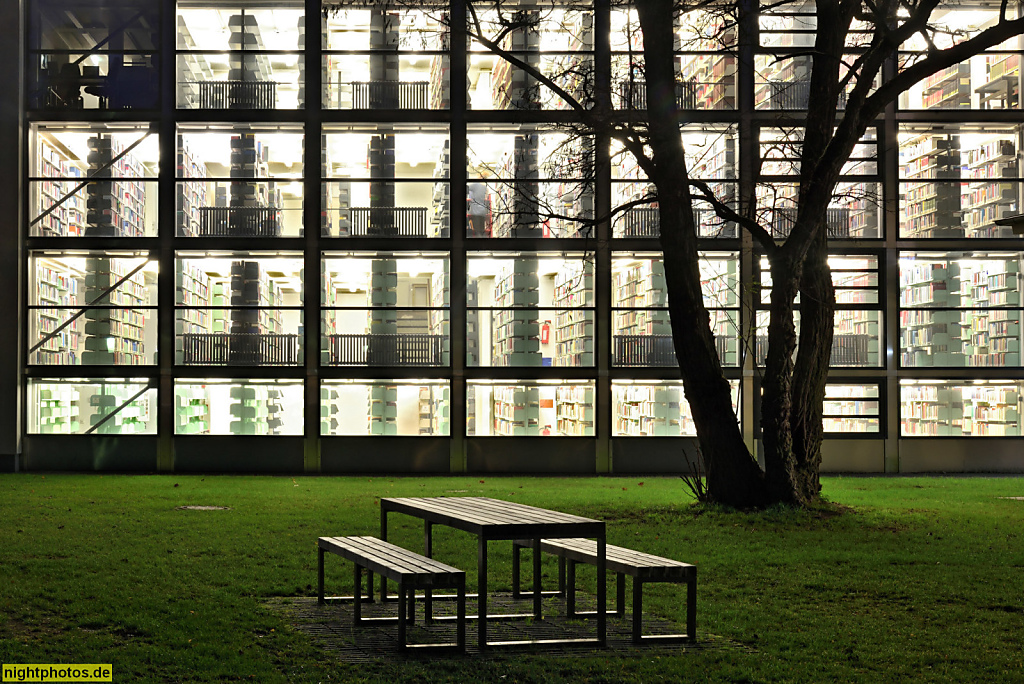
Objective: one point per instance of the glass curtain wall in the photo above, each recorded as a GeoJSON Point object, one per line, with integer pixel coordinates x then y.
{"type": "Point", "coordinates": [255, 207]}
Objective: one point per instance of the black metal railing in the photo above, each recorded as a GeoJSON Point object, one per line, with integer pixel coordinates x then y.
{"type": "Point", "coordinates": [634, 95]}
{"type": "Point", "coordinates": [237, 94]}
{"type": "Point", "coordinates": [389, 221]}
{"type": "Point", "coordinates": [643, 350]}
{"type": "Point", "coordinates": [239, 222]}
{"type": "Point", "coordinates": [240, 349]}
{"type": "Point", "coordinates": [848, 349]}
{"type": "Point", "coordinates": [389, 95]}
{"type": "Point", "coordinates": [790, 94]}
{"type": "Point", "coordinates": [386, 350]}
{"type": "Point", "coordinates": [644, 222]}
{"type": "Point", "coordinates": [837, 219]}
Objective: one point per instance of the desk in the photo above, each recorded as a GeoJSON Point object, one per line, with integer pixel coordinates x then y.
{"type": "Point", "coordinates": [493, 519]}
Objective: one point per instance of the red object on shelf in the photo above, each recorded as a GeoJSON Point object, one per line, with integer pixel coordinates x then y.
{"type": "Point", "coordinates": [545, 332]}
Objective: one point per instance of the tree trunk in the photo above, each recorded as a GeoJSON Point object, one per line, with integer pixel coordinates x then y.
{"type": "Point", "coordinates": [733, 476]}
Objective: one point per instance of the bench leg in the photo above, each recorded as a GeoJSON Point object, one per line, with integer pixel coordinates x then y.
{"type": "Point", "coordinates": [620, 594]}
{"type": "Point", "coordinates": [481, 560]}
{"type": "Point", "coordinates": [570, 589]}
{"type": "Point", "coordinates": [320, 577]}
{"type": "Point", "coordinates": [516, 550]}
{"type": "Point", "coordinates": [691, 607]}
{"type": "Point", "coordinates": [561, 575]}
{"type": "Point", "coordinates": [357, 598]}
{"type": "Point", "coordinates": [460, 616]}
{"type": "Point", "coordinates": [401, 614]}
{"type": "Point", "coordinates": [537, 609]}
{"type": "Point", "coordinates": [638, 609]}
{"type": "Point", "coordinates": [428, 551]}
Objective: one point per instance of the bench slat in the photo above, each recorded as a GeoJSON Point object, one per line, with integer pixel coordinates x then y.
{"type": "Point", "coordinates": [617, 558]}
{"type": "Point", "coordinates": [393, 562]}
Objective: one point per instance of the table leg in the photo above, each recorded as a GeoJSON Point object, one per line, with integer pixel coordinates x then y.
{"type": "Point", "coordinates": [357, 598]}
{"type": "Point", "coordinates": [536, 580]}
{"type": "Point", "coordinates": [482, 594]}
{"type": "Point", "coordinates": [602, 591]}
{"type": "Point", "coordinates": [401, 614]}
{"type": "Point", "coordinates": [428, 551]}
{"type": "Point", "coordinates": [515, 570]}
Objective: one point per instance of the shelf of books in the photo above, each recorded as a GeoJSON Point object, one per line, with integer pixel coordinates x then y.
{"type": "Point", "coordinates": [574, 320]}
{"type": "Point", "coordinates": [130, 419]}
{"type": "Point", "coordinates": [193, 69]}
{"type": "Point", "coordinates": [851, 409]}
{"type": "Point", "coordinates": [993, 196]}
{"type": "Point", "coordinates": [712, 77]}
{"type": "Point", "coordinates": [960, 410]}
{"type": "Point", "coordinates": [114, 335]}
{"type": "Point", "coordinates": [949, 88]}
{"type": "Point", "coordinates": [641, 327]}
{"type": "Point", "coordinates": [574, 410]}
{"type": "Point", "coordinates": [329, 399]}
{"type": "Point", "coordinates": [383, 410]}
{"type": "Point", "coordinates": [191, 411]}
{"type": "Point", "coordinates": [516, 410]}
{"type": "Point", "coordinates": [57, 294]}
{"type": "Point", "coordinates": [328, 321]}
{"type": "Point", "coordinates": [441, 204]}
{"type": "Point", "coordinates": [516, 330]}
{"type": "Point", "coordinates": [930, 338]}
{"type": "Point", "coordinates": [930, 209]}
{"type": "Point", "coordinates": [192, 290]}
{"type": "Point", "coordinates": [439, 410]}
{"type": "Point", "coordinates": [60, 177]}
{"type": "Point", "coordinates": [191, 194]}
{"type": "Point", "coordinates": [514, 206]}
{"type": "Point", "coordinates": [438, 315]}
{"type": "Point", "coordinates": [649, 411]}
{"type": "Point", "coordinates": [1001, 89]}
{"type": "Point", "coordinates": [58, 409]}
{"type": "Point", "coordinates": [250, 410]}
{"type": "Point", "coordinates": [513, 88]}
{"type": "Point", "coordinates": [114, 208]}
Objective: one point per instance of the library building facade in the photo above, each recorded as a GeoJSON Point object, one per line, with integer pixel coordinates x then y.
{"type": "Point", "coordinates": [255, 236]}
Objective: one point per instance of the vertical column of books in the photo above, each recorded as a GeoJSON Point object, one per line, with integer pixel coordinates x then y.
{"type": "Point", "coordinates": [574, 410]}
{"type": "Point", "coordinates": [58, 293]}
{"type": "Point", "coordinates": [249, 410]}
{"type": "Point", "coordinates": [1002, 87]}
{"type": "Point", "coordinates": [710, 80]}
{"type": "Point", "coordinates": [245, 313]}
{"type": "Point", "coordinates": [992, 411]}
{"type": "Point", "coordinates": [574, 331]}
{"type": "Point", "coordinates": [786, 81]}
{"type": "Point", "coordinates": [440, 305]}
{"type": "Point", "coordinates": [512, 88]}
{"type": "Point", "coordinates": [440, 215]}
{"type": "Point", "coordinates": [275, 410]}
{"type": "Point", "coordinates": [990, 197]}
{"type": "Point", "coordinates": [191, 411]}
{"type": "Point", "coordinates": [128, 419]}
{"type": "Point", "coordinates": [383, 409]}
{"type": "Point", "coordinates": [640, 221]}
{"type": "Point", "coordinates": [114, 208]}
{"type": "Point", "coordinates": [58, 409]}
{"type": "Point", "coordinates": [440, 96]}
{"type": "Point", "coordinates": [190, 198]}
{"type": "Point", "coordinates": [642, 328]}
{"type": "Point", "coordinates": [335, 199]}
{"type": "Point", "coordinates": [948, 89]}
{"type": "Point", "coordinates": [424, 406]}
{"type": "Point", "coordinates": [516, 410]}
{"type": "Point", "coordinates": [328, 410]}
{"type": "Point", "coordinates": [850, 408]}
{"type": "Point", "coordinates": [472, 324]}
{"type": "Point", "coordinates": [192, 290]}
{"type": "Point", "coordinates": [246, 67]}
{"type": "Point", "coordinates": [930, 338]}
{"type": "Point", "coordinates": [113, 335]}
{"type": "Point", "coordinates": [252, 214]}
{"type": "Point", "coordinates": [717, 161]}
{"type": "Point", "coordinates": [68, 216]}
{"type": "Point", "coordinates": [220, 297]}
{"type": "Point", "coordinates": [516, 328]}
{"type": "Point", "coordinates": [931, 410]}
{"type": "Point", "coordinates": [570, 72]}
{"type": "Point", "coordinates": [328, 318]}
{"type": "Point", "coordinates": [382, 319]}
{"type": "Point", "coordinates": [439, 407]}
{"type": "Point", "coordinates": [648, 411]}
{"type": "Point", "coordinates": [381, 159]}
{"type": "Point", "coordinates": [384, 62]}
{"type": "Point", "coordinates": [931, 209]}
{"type": "Point", "coordinates": [1004, 334]}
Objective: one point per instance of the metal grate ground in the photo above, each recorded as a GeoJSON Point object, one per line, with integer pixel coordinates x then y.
{"type": "Point", "coordinates": [331, 627]}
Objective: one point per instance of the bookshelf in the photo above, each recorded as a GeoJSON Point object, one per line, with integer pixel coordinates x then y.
{"type": "Point", "coordinates": [990, 197]}
{"type": "Point", "coordinates": [1002, 86]}
{"type": "Point", "coordinates": [59, 177]}
{"type": "Point", "coordinates": [960, 410]}
{"type": "Point", "coordinates": [329, 398]}
{"type": "Point", "coordinates": [649, 411]}
{"type": "Point", "coordinates": [949, 88]}
{"type": "Point", "coordinates": [930, 209]}
{"type": "Point", "coordinates": [58, 407]}
{"type": "Point", "coordinates": [441, 206]}
{"type": "Point", "coordinates": [57, 293]}
{"type": "Point", "coordinates": [114, 208]}
{"type": "Point", "coordinates": [574, 410]}
{"type": "Point", "coordinates": [193, 69]}
{"type": "Point", "coordinates": [516, 328]}
{"type": "Point", "coordinates": [105, 399]}
{"type": "Point", "coordinates": [191, 411]}
{"type": "Point", "coordinates": [516, 410]}
{"type": "Point", "coordinates": [574, 318]}
{"type": "Point", "coordinates": [851, 408]}
{"type": "Point", "coordinates": [513, 88]}
{"type": "Point", "coordinates": [930, 338]}
{"type": "Point", "coordinates": [438, 318]}
{"type": "Point", "coordinates": [249, 410]}
{"type": "Point", "coordinates": [114, 335]}
{"type": "Point", "coordinates": [383, 410]}
{"type": "Point", "coordinates": [192, 289]}
{"type": "Point", "coordinates": [191, 192]}
{"type": "Point", "coordinates": [439, 410]}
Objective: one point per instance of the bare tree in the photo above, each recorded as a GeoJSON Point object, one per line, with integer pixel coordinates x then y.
{"type": "Point", "coordinates": [853, 41]}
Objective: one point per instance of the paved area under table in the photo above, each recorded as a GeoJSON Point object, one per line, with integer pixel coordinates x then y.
{"type": "Point", "coordinates": [330, 626]}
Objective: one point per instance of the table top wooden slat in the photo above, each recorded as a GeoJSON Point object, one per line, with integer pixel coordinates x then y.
{"type": "Point", "coordinates": [495, 518]}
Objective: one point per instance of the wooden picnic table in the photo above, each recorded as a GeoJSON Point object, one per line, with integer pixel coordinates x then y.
{"type": "Point", "coordinates": [494, 519]}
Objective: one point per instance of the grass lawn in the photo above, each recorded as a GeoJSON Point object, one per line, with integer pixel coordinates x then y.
{"type": "Point", "coordinates": [907, 579]}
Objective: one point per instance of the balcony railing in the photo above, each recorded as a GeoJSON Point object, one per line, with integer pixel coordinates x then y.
{"type": "Point", "coordinates": [644, 222]}
{"type": "Point", "coordinates": [240, 349]}
{"type": "Point", "coordinates": [634, 95]}
{"type": "Point", "coordinates": [386, 350]}
{"type": "Point", "coordinates": [390, 95]}
{"type": "Point", "coordinates": [237, 94]}
{"type": "Point", "coordinates": [848, 349]}
{"type": "Point", "coordinates": [239, 222]}
{"type": "Point", "coordinates": [389, 221]}
{"type": "Point", "coordinates": [837, 219]}
{"type": "Point", "coordinates": [789, 95]}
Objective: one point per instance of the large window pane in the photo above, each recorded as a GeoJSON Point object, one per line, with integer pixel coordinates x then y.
{"type": "Point", "coordinates": [530, 408]}
{"type": "Point", "coordinates": [948, 408]}
{"type": "Point", "coordinates": [238, 407]}
{"type": "Point", "coordinates": [655, 409]}
{"type": "Point", "coordinates": [102, 406]}
{"type": "Point", "coordinates": [391, 407]}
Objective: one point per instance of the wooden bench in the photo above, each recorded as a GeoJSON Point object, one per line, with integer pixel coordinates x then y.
{"type": "Point", "coordinates": [409, 570]}
{"type": "Point", "coordinates": [642, 567]}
